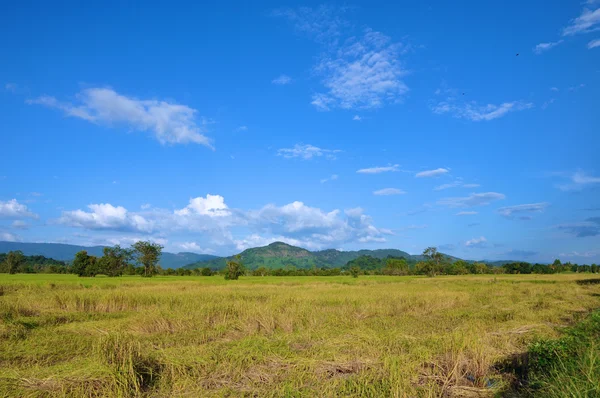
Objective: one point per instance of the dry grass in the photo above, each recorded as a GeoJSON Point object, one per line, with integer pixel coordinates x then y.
{"type": "Point", "coordinates": [273, 336]}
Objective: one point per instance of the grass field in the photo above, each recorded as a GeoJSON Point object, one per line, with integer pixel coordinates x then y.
{"type": "Point", "coordinates": [276, 336]}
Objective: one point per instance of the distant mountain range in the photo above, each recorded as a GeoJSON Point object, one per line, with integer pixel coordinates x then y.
{"type": "Point", "coordinates": [63, 252]}
{"type": "Point", "coordinates": [280, 255]}
{"type": "Point", "coordinates": [275, 255]}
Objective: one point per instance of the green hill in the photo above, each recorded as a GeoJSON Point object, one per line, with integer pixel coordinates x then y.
{"type": "Point", "coordinates": [65, 252]}
{"type": "Point", "coordinates": [281, 255]}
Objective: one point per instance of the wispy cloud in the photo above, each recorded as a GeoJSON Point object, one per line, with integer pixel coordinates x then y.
{"type": "Point", "coordinates": [587, 22]}
{"type": "Point", "coordinates": [515, 254]}
{"type": "Point", "coordinates": [357, 118]}
{"type": "Point", "coordinates": [364, 73]}
{"type": "Point", "coordinates": [579, 180]}
{"type": "Point", "coordinates": [169, 123]}
{"type": "Point", "coordinates": [333, 177]}
{"type": "Point", "coordinates": [523, 211]}
{"type": "Point", "coordinates": [379, 169]}
{"type": "Point", "coordinates": [282, 80]}
{"type": "Point", "coordinates": [542, 47]}
{"type": "Point", "coordinates": [466, 213]}
{"type": "Point", "coordinates": [307, 152]}
{"type": "Point", "coordinates": [389, 191]}
{"type": "Point", "coordinates": [584, 229]}
{"type": "Point", "coordinates": [586, 254]}
{"type": "Point", "coordinates": [242, 128]}
{"type": "Point", "coordinates": [432, 173]}
{"type": "Point", "coordinates": [324, 23]}
{"type": "Point", "coordinates": [458, 183]}
{"type": "Point", "coordinates": [575, 88]}
{"type": "Point", "coordinates": [11, 87]}
{"type": "Point", "coordinates": [554, 89]}
{"type": "Point", "coordinates": [476, 113]}
{"type": "Point", "coordinates": [593, 44]}
{"type": "Point", "coordinates": [475, 199]}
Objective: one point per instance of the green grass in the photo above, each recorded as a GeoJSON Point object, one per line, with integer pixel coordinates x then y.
{"type": "Point", "coordinates": [276, 336]}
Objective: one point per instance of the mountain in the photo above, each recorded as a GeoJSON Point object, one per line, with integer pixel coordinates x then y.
{"type": "Point", "coordinates": [280, 255]}
{"type": "Point", "coordinates": [65, 252]}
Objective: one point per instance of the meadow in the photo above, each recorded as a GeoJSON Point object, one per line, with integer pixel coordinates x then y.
{"type": "Point", "coordinates": [373, 336]}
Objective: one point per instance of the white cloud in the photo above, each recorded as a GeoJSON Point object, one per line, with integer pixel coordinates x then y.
{"type": "Point", "coordinates": [106, 216]}
{"type": "Point", "coordinates": [477, 242]}
{"type": "Point", "coordinates": [585, 23]}
{"type": "Point", "coordinates": [13, 209]}
{"type": "Point", "coordinates": [455, 184]}
{"type": "Point", "coordinates": [540, 48]}
{"type": "Point", "coordinates": [466, 213]}
{"type": "Point", "coordinates": [357, 118]}
{"type": "Point", "coordinates": [12, 87]}
{"type": "Point", "coordinates": [475, 199]}
{"type": "Point", "coordinates": [579, 180]}
{"type": "Point", "coordinates": [586, 254]}
{"type": "Point", "coordinates": [8, 237]}
{"type": "Point", "coordinates": [145, 206]}
{"type": "Point", "coordinates": [211, 206]}
{"type": "Point", "coordinates": [323, 23]}
{"type": "Point", "coordinates": [476, 113]}
{"type": "Point", "coordinates": [193, 247]}
{"type": "Point", "coordinates": [593, 44]}
{"type": "Point", "coordinates": [170, 123]}
{"type": "Point", "coordinates": [379, 169]}
{"type": "Point", "coordinates": [307, 152]}
{"type": "Point", "coordinates": [389, 191]}
{"type": "Point", "coordinates": [575, 88]}
{"type": "Point", "coordinates": [554, 89]}
{"type": "Point", "coordinates": [282, 80]}
{"type": "Point", "coordinates": [432, 173]}
{"type": "Point", "coordinates": [364, 73]}
{"type": "Point", "coordinates": [242, 128]}
{"type": "Point", "coordinates": [333, 177]}
{"type": "Point", "coordinates": [511, 211]}
{"type": "Point", "coordinates": [19, 224]}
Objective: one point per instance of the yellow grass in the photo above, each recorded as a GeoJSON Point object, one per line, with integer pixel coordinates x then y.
{"type": "Point", "coordinates": [275, 336]}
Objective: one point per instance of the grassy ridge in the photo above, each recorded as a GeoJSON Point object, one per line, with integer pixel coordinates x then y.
{"type": "Point", "coordinates": [307, 336]}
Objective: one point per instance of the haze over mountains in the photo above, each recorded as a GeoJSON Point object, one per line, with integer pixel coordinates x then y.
{"type": "Point", "coordinates": [272, 256]}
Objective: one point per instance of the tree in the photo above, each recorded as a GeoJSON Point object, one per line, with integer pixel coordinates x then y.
{"type": "Point", "coordinates": [115, 260]}
{"type": "Point", "coordinates": [354, 271]}
{"type": "Point", "coordinates": [433, 265]}
{"type": "Point", "coordinates": [147, 254]}
{"type": "Point", "coordinates": [84, 264]}
{"type": "Point", "coordinates": [395, 266]}
{"type": "Point", "coordinates": [13, 262]}
{"type": "Point", "coordinates": [261, 271]}
{"type": "Point", "coordinates": [234, 268]}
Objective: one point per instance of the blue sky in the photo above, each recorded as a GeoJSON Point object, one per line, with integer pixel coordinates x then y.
{"type": "Point", "coordinates": [213, 128]}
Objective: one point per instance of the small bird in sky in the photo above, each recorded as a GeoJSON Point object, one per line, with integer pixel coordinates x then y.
{"type": "Point", "coordinates": [517, 54]}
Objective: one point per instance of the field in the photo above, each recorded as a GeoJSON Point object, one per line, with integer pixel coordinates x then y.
{"type": "Point", "coordinates": [276, 336]}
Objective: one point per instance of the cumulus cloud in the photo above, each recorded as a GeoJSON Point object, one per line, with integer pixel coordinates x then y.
{"type": "Point", "coordinates": [475, 199]}
{"type": "Point", "coordinates": [170, 123]}
{"type": "Point", "coordinates": [193, 247]}
{"type": "Point", "coordinates": [8, 237]}
{"type": "Point", "coordinates": [587, 22]}
{"type": "Point", "coordinates": [476, 113]}
{"type": "Point", "coordinates": [307, 152]}
{"type": "Point", "coordinates": [540, 48]}
{"type": "Point", "coordinates": [432, 173]}
{"type": "Point", "coordinates": [106, 216]}
{"type": "Point", "coordinates": [480, 242]}
{"type": "Point", "coordinates": [379, 169]}
{"type": "Point", "coordinates": [295, 223]}
{"type": "Point", "coordinates": [511, 211]}
{"type": "Point", "coordinates": [13, 209]}
{"type": "Point", "coordinates": [211, 206]}
{"type": "Point", "coordinates": [282, 80]}
{"type": "Point", "coordinates": [389, 191]}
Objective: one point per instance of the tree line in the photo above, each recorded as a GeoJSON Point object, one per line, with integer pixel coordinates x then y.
{"type": "Point", "coordinates": [143, 257]}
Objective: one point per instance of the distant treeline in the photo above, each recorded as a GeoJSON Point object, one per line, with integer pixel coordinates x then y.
{"type": "Point", "coordinates": [142, 259]}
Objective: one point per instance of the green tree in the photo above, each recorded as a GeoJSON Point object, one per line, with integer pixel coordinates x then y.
{"type": "Point", "coordinates": [395, 266]}
{"type": "Point", "coordinates": [434, 263]}
{"type": "Point", "coordinates": [354, 271]}
{"type": "Point", "coordinates": [115, 260]}
{"type": "Point", "coordinates": [147, 254]}
{"type": "Point", "coordinates": [234, 268]}
{"type": "Point", "coordinates": [261, 271]}
{"type": "Point", "coordinates": [14, 261]}
{"type": "Point", "coordinates": [206, 271]}
{"type": "Point", "coordinates": [83, 264]}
